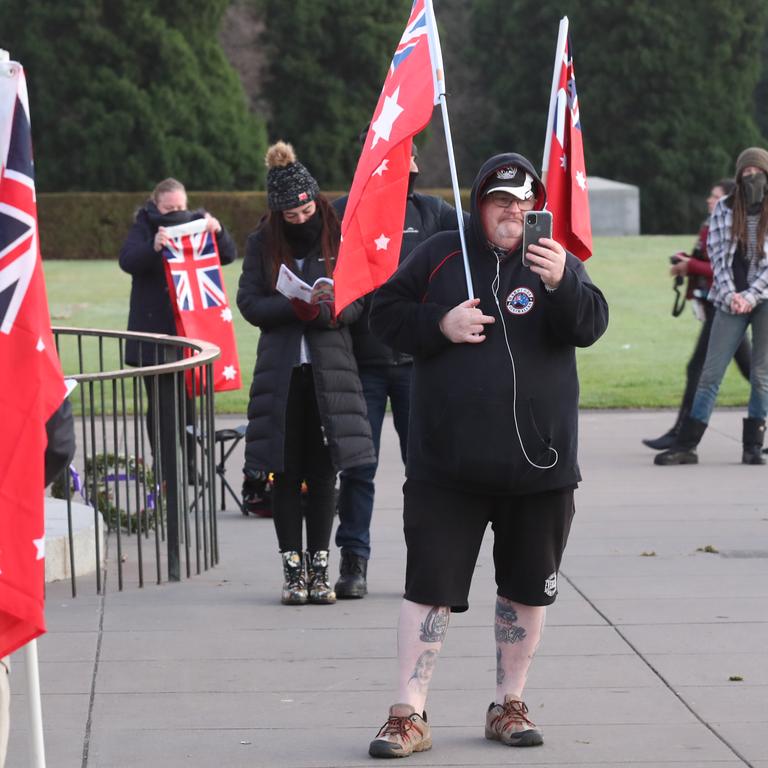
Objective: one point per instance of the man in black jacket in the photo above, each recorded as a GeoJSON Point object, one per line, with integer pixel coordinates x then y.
{"type": "Point", "coordinates": [493, 438]}
{"type": "Point", "coordinates": [384, 374]}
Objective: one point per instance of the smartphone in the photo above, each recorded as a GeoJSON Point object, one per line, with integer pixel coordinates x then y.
{"type": "Point", "coordinates": [536, 224]}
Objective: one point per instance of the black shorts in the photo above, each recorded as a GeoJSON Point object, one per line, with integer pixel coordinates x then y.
{"type": "Point", "coordinates": [444, 530]}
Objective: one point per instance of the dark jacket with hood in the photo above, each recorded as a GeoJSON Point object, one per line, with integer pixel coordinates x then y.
{"type": "Point", "coordinates": [471, 401]}
{"type": "Point", "coordinates": [151, 310]}
{"type": "Point", "coordinates": [339, 394]}
{"type": "Point", "coordinates": [425, 215]}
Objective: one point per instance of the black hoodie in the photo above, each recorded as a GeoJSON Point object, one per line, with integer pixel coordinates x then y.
{"type": "Point", "coordinates": [470, 401]}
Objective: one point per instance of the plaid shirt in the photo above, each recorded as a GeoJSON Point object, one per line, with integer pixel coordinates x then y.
{"type": "Point", "coordinates": [721, 249]}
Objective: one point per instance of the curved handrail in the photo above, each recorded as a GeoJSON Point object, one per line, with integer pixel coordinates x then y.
{"type": "Point", "coordinates": [204, 352]}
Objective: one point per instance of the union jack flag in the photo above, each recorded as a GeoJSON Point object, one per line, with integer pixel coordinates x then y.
{"type": "Point", "coordinates": [416, 29]}
{"type": "Point", "coordinates": [191, 279]}
{"type": "Point", "coordinates": [202, 309]}
{"type": "Point", "coordinates": [18, 219]}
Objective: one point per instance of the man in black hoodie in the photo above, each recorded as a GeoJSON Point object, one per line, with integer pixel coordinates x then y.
{"type": "Point", "coordinates": [493, 438]}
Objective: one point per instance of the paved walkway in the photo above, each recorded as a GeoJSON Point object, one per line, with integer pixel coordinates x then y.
{"type": "Point", "coordinates": [634, 669]}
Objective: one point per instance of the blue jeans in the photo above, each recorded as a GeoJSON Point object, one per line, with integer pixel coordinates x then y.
{"type": "Point", "coordinates": [727, 332]}
{"type": "Point", "coordinates": [357, 487]}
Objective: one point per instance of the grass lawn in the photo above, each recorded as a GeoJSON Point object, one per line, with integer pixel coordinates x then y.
{"type": "Point", "coordinates": [640, 362]}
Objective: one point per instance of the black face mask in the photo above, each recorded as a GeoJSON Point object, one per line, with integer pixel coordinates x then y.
{"type": "Point", "coordinates": [305, 234]}
{"type": "Point", "coordinates": [754, 187]}
{"type": "Point", "coordinates": [171, 219]}
{"type": "Point", "coordinates": [412, 176]}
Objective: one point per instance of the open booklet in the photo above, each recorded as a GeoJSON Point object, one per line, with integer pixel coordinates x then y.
{"type": "Point", "coordinates": [294, 287]}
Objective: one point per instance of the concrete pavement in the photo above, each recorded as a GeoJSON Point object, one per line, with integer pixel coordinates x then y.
{"type": "Point", "coordinates": [634, 669]}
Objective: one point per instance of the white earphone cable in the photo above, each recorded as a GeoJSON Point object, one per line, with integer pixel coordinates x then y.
{"type": "Point", "coordinates": [495, 290]}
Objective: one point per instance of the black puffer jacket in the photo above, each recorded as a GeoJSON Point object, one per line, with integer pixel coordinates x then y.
{"type": "Point", "coordinates": [337, 384]}
{"type": "Point", "coordinates": [151, 310]}
{"type": "Point", "coordinates": [425, 215]}
{"type": "Point", "coordinates": [470, 402]}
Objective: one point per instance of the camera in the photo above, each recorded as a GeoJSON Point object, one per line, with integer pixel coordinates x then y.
{"type": "Point", "coordinates": [532, 219]}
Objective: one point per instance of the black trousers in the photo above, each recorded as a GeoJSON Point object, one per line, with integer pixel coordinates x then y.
{"type": "Point", "coordinates": [743, 358]}
{"type": "Point", "coordinates": [186, 408]}
{"type": "Point", "coordinates": [308, 459]}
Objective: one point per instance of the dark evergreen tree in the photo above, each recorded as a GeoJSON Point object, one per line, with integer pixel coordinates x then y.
{"type": "Point", "coordinates": [327, 63]}
{"type": "Point", "coordinates": [126, 92]}
{"type": "Point", "coordinates": [666, 91]}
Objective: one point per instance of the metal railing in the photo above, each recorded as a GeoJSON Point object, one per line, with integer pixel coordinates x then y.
{"type": "Point", "coordinates": [145, 453]}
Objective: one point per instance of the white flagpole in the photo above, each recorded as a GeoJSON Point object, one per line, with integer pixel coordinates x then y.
{"type": "Point", "coordinates": [562, 37]}
{"type": "Point", "coordinates": [36, 742]}
{"type": "Point", "coordinates": [439, 78]}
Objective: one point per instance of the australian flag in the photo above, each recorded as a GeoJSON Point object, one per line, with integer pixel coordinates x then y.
{"type": "Point", "coordinates": [193, 271]}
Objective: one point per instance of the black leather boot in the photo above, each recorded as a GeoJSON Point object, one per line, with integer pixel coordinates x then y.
{"type": "Point", "coordinates": [667, 440]}
{"type": "Point", "coordinates": [352, 577]}
{"type": "Point", "coordinates": [753, 434]}
{"type": "Point", "coordinates": [684, 449]}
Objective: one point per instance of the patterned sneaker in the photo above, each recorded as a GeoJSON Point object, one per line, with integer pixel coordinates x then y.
{"type": "Point", "coordinates": [508, 722]}
{"type": "Point", "coordinates": [404, 732]}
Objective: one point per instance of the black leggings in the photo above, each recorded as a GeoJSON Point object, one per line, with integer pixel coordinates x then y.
{"type": "Point", "coordinates": [307, 458]}
{"type": "Point", "coordinates": [742, 357]}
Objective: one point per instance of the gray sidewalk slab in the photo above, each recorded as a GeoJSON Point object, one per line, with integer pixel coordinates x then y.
{"type": "Point", "coordinates": [633, 671]}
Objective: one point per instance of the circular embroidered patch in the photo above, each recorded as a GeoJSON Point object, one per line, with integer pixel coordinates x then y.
{"type": "Point", "coordinates": [520, 301]}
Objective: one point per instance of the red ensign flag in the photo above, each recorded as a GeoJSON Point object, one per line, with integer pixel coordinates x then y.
{"type": "Point", "coordinates": [31, 383]}
{"type": "Point", "coordinates": [567, 194]}
{"type": "Point", "coordinates": [372, 229]}
{"type": "Point", "coordinates": [201, 309]}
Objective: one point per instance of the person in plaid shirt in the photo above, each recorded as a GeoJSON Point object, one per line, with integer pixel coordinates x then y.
{"type": "Point", "coordinates": [737, 244]}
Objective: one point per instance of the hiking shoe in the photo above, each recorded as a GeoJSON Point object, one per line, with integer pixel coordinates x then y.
{"type": "Point", "coordinates": [508, 722]}
{"type": "Point", "coordinates": [404, 732]}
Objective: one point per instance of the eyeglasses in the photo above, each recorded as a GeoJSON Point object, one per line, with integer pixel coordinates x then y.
{"type": "Point", "coordinates": [503, 200]}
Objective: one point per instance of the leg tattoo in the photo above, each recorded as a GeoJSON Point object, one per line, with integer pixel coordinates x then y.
{"type": "Point", "coordinates": [435, 625]}
{"type": "Point", "coordinates": [422, 671]}
{"type": "Point", "coordinates": [518, 629]}
{"type": "Point", "coordinates": [506, 629]}
{"type": "Point", "coordinates": [420, 635]}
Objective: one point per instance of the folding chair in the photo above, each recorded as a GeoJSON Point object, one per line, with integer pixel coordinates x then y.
{"type": "Point", "coordinates": [222, 437]}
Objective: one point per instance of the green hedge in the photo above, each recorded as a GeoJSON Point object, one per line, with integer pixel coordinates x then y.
{"type": "Point", "coordinates": [93, 225]}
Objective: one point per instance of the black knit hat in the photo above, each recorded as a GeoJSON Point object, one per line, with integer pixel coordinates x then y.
{"type": "Point", "coordinates": [289, 183]}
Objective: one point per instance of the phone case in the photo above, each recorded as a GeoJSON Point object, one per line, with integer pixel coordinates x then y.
{"type": "Point", "coordinates": [536, 224]}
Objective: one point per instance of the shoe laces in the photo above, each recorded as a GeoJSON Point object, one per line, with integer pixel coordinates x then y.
{"type": "Point", "coordinates": [398, 725]}
{"type": "Point", "coordinates": [515, 712]}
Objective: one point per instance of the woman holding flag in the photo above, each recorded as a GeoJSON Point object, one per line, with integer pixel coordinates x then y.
{"type": "Point", "coordinates": [306, 414]}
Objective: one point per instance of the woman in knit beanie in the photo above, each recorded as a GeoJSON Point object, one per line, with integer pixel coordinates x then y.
{"type": "Point", "coordinates": [738, 248]}
{"type": "Point", "coordinates": [306, 414]}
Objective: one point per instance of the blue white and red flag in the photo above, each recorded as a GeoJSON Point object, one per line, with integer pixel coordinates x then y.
{"type": "Point", "coordinates": [201, 309]}
{"type": "Point", "coordinates": [372, 229]}
{"type": "Point", "coordinates": [566, 174]}
{"type": "Point", "coordinates": [31, 383]}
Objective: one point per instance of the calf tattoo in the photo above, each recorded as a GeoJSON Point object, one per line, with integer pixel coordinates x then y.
{"type": "Point", "coordinates": [422, 671]}
{"type": "Point", "coordinates": [499, 671]}
{"type": "Point", "coordinates": [506, 630]}
{"type": "Point", "coordinates": [434, 626]}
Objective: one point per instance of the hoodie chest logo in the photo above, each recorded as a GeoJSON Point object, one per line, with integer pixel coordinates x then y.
{"type": "Point", "coordinates": [520, 301]}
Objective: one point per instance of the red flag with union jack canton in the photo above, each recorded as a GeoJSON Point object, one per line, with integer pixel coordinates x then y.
{"type": "Point", "coordinates": [31, 382]}
{"type": "Point", "coordinates": [201, 309]}
{"type": "Point", "coordinates": [567, 194]}
{"type": "Point", "coordinates": [372, 229]}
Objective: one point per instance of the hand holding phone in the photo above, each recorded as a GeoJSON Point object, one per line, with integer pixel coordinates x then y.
{"type": "Point", "coordinates": [536, 224]}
